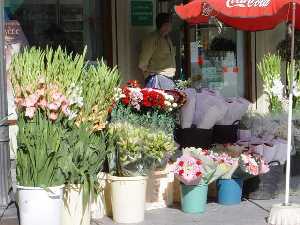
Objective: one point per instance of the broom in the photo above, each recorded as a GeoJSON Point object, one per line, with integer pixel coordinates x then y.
{"type": "Point", "coordinates": [288, 213]}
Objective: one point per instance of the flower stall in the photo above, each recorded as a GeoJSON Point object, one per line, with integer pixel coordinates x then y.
{"type": "Point", "coordinates": [73, 117]}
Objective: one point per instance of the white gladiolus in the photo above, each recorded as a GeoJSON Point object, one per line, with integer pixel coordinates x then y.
{"type": "Point", "coordinates": [296, 91]}
{"type": "Point", "coordinates": [277, 89]}
{"type": "Point", "coordinates": [174, 105]}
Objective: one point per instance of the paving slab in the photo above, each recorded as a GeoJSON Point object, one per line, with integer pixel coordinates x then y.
{"type": "Point", "coordinates": [246, 213]}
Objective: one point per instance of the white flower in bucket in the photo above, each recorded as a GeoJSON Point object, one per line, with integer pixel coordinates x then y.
{"type": "Point", "coordinates": [277, 89]}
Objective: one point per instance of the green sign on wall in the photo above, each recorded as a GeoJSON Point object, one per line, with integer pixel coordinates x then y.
{"type": "Point", "coordinates": [141, 13]}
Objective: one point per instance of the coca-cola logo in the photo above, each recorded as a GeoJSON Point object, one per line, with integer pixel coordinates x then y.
{"type": "Point", "coordinates": [206, 10]}
{"type": "Point", "coordinates": [248, 3]}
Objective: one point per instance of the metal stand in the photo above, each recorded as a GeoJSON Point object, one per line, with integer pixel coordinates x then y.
{"type": "Point", "coordinates": [4, 132]}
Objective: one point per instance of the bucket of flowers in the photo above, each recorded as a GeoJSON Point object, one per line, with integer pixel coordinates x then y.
{"type": "Point", "coordinates": [62, 107]}
{"type": "Point", "coordinates": [245, 164]}
{"type": "Point", "coordinates": [196, 169]}
{"type": "Point", "coordinates": [141, 137]}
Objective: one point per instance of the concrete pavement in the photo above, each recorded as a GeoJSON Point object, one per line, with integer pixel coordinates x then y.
{"type": "Point", "coordinates": [247, 213]}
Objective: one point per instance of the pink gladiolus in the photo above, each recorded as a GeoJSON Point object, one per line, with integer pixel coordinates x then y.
{"type": "Point", "coordinates": [53, 106]}
{"type": "Point", "coordinates": [53, 116]}
{"type": "Point", "coordinates": [42, 103]}
{"type": "Point", "coordinates": [19, 102]}
{"type": "Point", "coordinates": [40, 92]}
{"type": "Point", "coordinates": [64, 108]}
{"type": "Point", "coordinates": [42, 80]}
{"type": "Point", "coordinates": [56, 96]}
{"type": "Point", "coordinates": [30, 112]}
{"type": "Point", "coordinates": [31, 100]}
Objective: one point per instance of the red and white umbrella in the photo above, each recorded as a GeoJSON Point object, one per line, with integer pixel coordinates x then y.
{"type": "Point", "coordinates": [251, 15]}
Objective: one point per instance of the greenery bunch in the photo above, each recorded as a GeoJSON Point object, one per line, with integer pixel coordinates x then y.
{"type": "Point", "coordinates": [41, 153]}
{"type": "Point", "coordinates": [270, 71]}
{"type": "Point", "coordinates": [136, 149]}
{"type": "Point", "coordinates": [153, 120]}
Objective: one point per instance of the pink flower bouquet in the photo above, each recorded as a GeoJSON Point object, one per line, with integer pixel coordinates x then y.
{"type": "Point", "coordinates": [188, 170]}
{"type": "Point", "coordinates": [245, 163]}
{"type": "Point", "coordinates": [195, 161]}
{"type": "Point", "coordinates": [253, 164]}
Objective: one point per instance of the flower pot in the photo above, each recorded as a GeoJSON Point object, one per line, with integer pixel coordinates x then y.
{"type": "Point", "coordinates": [74, 212]}
{"type": "Point", "coordinates": [101, 206]}
{"type": "Point", "coordinates": [193, 198]}
{"type": "Point", "coordinates": [176, 191]}
{"type": "Point", "coordinates": [159, 190]}
{"type": "Point", "coordinates": [230, 191]}
{"type": "Point", "coordinates": [40, 206]}
{"type": "Point", "coordinates": [128, 196]}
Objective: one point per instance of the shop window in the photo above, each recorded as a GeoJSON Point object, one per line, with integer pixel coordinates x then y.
{"type": "Point", "coordinates": [72, 24]}
{"type": "Point", "coordinates": [217, 59]}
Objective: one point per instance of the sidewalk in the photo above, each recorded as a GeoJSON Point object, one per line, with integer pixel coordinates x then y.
{"type": "Point", "coordinates": [247, 213]}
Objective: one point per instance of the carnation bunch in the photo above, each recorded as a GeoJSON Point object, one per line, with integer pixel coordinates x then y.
{"type": "Point", "coordinates": [148, 98]}
{"type": "Point", "coordinates": [188, 170]}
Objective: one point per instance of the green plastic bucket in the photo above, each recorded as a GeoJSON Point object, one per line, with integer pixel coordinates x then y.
{"type": "Point", "coordinates": [193, 198]}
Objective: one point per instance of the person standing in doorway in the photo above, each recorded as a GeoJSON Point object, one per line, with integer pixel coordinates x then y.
{"type": "Point", "coordinates": [157, 57]}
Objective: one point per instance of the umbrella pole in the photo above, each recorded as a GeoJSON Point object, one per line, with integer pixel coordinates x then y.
{"type": "Point", "coordinates": [287, 213]}
{"type": "Point", "coordinates": [290, 112]}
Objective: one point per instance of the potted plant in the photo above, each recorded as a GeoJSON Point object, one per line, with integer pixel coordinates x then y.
{"type": "Point", "coordinates": [39, 80]}
{"type": "Point", "coordinates": [160, 142]}
{"type": "Point", "coordinates": [86, 140]}
{"type": "Point", "coordinates": [128, 172]}
{"type": "Point", "coordinates": [86, 153]}
{"type": "Point", "coordinates": [141, 137]}
{"type": "Point", "coordinates": [196, 169]}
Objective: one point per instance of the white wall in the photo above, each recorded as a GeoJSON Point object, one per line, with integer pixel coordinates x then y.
{"type": "Point", "coordinates": [127, 39]}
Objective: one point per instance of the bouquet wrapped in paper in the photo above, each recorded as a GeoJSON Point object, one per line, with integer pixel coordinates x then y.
{"type": "Point", "coordinates": [198, 166]}
{"type": "Point", "coordinates": [244, 163]}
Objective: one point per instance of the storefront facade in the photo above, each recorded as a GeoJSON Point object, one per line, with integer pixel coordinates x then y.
{"type": "Point", "coordinates": [223, 57]}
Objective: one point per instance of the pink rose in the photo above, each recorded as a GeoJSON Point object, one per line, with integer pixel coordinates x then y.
{"type": "Point", "coordinates": [264, 168]}
{"type": "Point", "coordinates": [253, 170]}
{"type": "Point", "coordinates": [53, 116]}
{"type": "Point", "coordinates": [53, 106]}
{"type": "Point", "coordinates": [30, 112]}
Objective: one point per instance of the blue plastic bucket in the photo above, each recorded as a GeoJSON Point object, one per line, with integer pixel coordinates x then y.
{"type": "Point", "coordinates": [193, 198]}
{"type": "Point", "coordinates": [230, 191]}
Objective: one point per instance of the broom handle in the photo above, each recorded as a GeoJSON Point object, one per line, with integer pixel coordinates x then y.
{"type": "Point", "coordinates": [290, 112]}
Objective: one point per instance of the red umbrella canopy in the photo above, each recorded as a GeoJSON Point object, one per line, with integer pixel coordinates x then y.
{"type": "Point", "coordinates": [251, 15]}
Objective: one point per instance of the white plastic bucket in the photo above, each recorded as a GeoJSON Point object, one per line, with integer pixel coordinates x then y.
{"type": "Point", "coordinates": [128, 196]}
{"type": "Point", "coordinates": [73, 210]}
{"type": "Point", "coordinates": [159, 190]}
{"type": "Point", "coordinates": [101, 206]}
{"type": "Point", "coordinates": [40, 206]}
